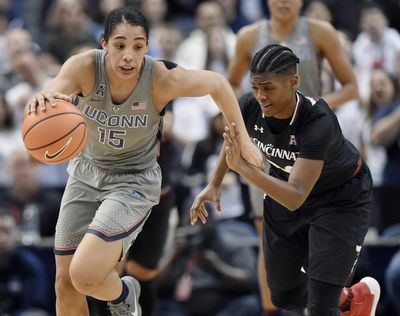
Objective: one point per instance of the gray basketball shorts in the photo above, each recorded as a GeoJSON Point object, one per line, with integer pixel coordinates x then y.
{"type": "Point", "coordinates": [110, 205]}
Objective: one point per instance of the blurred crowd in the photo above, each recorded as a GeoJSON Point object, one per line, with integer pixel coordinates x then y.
{"type": "Point", "coordinates": [206, 269]}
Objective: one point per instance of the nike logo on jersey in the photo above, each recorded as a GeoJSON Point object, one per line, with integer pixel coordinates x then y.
{"type": "Point", "coordinates": [49, 156]}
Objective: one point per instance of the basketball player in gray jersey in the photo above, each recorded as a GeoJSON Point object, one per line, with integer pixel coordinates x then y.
{"type": "Point", "coordinates": [312, 41]}
{"type": "Point", "coordinates": [115, 181]}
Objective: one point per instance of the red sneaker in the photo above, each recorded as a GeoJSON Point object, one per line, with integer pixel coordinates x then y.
{"type": "Point", "coordinates": [361, 299]}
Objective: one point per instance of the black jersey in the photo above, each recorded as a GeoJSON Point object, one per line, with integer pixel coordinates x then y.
{"type": "Point", "coordinates": [313, 132]}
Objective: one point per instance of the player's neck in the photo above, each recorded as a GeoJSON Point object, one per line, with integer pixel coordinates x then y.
{"type": "Point", "coordinates": [282, 30]}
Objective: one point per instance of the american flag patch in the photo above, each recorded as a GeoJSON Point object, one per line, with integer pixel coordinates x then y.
{"type": "Point", "coordinates": [138, 105]}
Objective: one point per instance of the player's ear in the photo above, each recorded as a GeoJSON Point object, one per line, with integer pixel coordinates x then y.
{"type": "Point", "coordinates": [294, 81]}
{"type": "Point", "coordinates": [103, 44]}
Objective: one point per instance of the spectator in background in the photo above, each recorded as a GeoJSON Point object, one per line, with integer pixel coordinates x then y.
{"type": "Point", "coordinates": [18, 40]}
{"type": "Point", "coordinates": [4, 20]}
{"type": "Point", "coordinates": [382, 92]}
{"type": "Point", "coordinates": [349, 112]}
{"type": "Point", "coordinates": [10, 138]}
{"type": "Point", "coordinates": [68, 26]}
{"type": "Point", "coordinates": [318, 10]}
{"type": "Point", "coordinates": [32, 78]}
{"type": "Point", "coordinates": [234, 15]}
{"type": "Point", "coordinates": [210, 270]}
{"type": "Point", "coordinates": [24, 192]}
{"type": "Point", "coordinates": [392, 278]}
{"type": "Point", "coordinates": [376, 47]}
{"type": "Point", "coordinates": [99, 10]}
{"type": "Point", "coordinates": [156, 12]}
{"type": "Point", "coordinates": [23, 278]}
{"type": "Point", "coordinates": [385, 132]}
{"type": "Point", "coordinates": [170, 37]}
{"type": "Point", "coordinates": [192, 53]}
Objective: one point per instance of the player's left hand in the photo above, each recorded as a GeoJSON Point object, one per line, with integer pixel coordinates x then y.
{"type": "Point", "coordinates": [232, 148]}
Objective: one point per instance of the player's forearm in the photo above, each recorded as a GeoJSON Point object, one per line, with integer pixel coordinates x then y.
{"type": "Point", "coordinates": [226, 100]}
{"type": "Point", "coordinates": [220, 170]}
{"type": "Point", "coordinates": [283, 192]}
{"type": "Point", "coordinates": [337, 98]}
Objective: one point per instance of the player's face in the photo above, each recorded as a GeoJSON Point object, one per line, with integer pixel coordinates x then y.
{"type": "Point", "coordinates": [275, 94]}
{"type": "Point", "coordinates": [284, 10]}
{"type": "Point", "coordinates": [126, 49]}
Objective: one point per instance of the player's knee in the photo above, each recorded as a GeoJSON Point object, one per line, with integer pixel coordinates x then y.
{"type": "Point", "coordinates": [83, 281]}
{"type": "Point", "coordinates": [140, 272]}
{"type": "Point", "coordinates": [318, 310]}
{"type": "Point", "coordinates": [63, 285]}
{"type": "Point", "coordinates": [290, 299]}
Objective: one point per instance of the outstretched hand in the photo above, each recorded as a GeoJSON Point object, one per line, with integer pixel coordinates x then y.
{"type": "Point", "coordinates": [40, 98]}
{"type": "Point", "coordinates": [232, 147]}
{"type": "Point", "coordinates": [198, 210]}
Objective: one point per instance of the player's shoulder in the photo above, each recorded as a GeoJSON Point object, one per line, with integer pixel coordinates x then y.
{"type": "Point", "coordinates": [248, 32]}
{"type": "Point", "coordinates": [248, 104]}
{"type": "Point", "coordinates": [321, 31]}
{"type": "Point", "coordinates": [83, 61]}
{"type": "Point", "coordinates": [165, 71]}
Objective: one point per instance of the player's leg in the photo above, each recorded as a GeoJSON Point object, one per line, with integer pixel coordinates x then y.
{"type": "Point", "coordinates": [68, 300]}
{"type": "Point", "coordinates": [333, 255]}
{"type": "Point", "coordinates": [93, 270]}
{"type": "Point", "coordinates": [127, 200]}
{"type": "Point", "coordinates": [257, 204]}
{"type": "Point", "coordinates": [142, 263]}
{"type": "Point", "coordinates": [78, 207]}
{"type": "Point", "coordinates": [284, 258]}
{"type": "Point", "coordinates": [265, 293]}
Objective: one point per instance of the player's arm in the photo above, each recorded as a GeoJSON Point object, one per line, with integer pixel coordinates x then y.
{"type": "Point", "coordinates": [328, 44]}
{"type": "Point", "coordinates": [387, 129]}
{"type": "Point", "coordinates": [290, 194]}
{"type": "Point", "coordinates": [75, 74]}
{"type": "Point", "coordinates": [211, 193]}
{"type": "Point", "coordinates": [180, 82]}
{"type": "Point", "coordinates": [239, 63]}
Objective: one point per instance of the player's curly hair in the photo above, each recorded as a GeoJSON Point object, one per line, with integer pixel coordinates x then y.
{"type": "Point", "coordinates": [275, 59]}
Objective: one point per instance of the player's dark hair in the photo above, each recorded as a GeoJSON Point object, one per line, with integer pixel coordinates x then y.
{"type": "Point", "coordinates": [128, 15]}
{"type": "Point", "coordinates": [275, 59]}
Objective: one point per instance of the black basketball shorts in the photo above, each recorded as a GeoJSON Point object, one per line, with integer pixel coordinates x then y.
{"type": "Point", "coordinates": [321, 240]}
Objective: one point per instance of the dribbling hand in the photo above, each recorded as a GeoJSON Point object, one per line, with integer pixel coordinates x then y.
{"type": "Point", "coordinates": [40, 98]}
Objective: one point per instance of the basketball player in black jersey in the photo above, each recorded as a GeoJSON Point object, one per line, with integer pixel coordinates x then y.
{"type": "Point", "coordinates": [317, 195]}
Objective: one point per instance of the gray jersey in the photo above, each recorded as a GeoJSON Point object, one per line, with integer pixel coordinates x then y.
{"type": "Point", "coordinates": [303, 46]}
{"type": "Point", "coordinates": [124, 136]}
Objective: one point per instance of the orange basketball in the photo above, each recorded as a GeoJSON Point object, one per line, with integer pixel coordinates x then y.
{"type": "Point", "coordinates": [55, 135]}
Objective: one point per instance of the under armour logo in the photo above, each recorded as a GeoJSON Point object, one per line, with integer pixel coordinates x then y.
{"type": "Point", "coordinates": [292, 140]}
{"type": "Point", "coordinates": [260, 129]}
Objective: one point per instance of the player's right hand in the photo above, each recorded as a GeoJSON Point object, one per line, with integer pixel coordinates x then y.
{"type": "Point", "coordinates": [198, 210]}
{"type": "Point", "coordinates": [40, 98]}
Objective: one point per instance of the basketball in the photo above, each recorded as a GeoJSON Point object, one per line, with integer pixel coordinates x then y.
{"type": "Point", "coordinates": [56, 135]}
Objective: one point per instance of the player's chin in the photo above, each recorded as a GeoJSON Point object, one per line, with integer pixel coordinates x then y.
{"type": "Point", "coordinates": [267, 110]}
